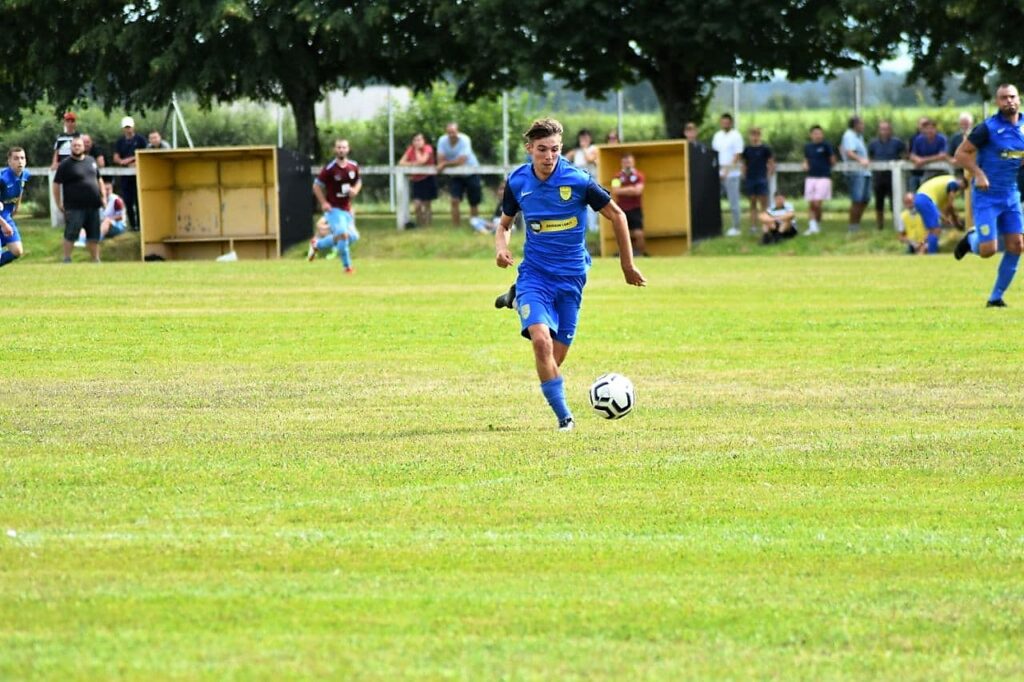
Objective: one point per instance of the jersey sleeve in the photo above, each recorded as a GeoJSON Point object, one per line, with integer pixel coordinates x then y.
{"type": "Point", "coordinates": [979, 136]}
{"type": "Point", "coordinates": [118, 205]}
{"type": "Point", "coordinates": [596, 197]}
{"type": "Point", "coordinates": [509, 205]}
{"type": "Point", "coordinates": [321, 177]}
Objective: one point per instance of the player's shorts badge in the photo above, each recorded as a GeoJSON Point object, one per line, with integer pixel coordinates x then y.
{"type": "Point", "coordinates": [565, 192]}
{"type": "Point", "coordinates": [524, 310]}
{"type": "Point", "coordinates": [984, 230]}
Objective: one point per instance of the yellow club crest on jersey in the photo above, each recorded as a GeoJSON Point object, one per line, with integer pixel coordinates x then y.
{"type": "Point", "coordinates": [984, 230]}
{"type": "Point", "coordinates": [565, 192]}
{"type": "Point", "coordinates": [524, 310]}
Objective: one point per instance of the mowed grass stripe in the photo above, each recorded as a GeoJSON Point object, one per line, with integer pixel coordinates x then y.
{"type": "Point", "coordinates": [271, 470]}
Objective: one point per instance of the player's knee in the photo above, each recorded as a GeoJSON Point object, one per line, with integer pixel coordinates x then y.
{"type": "Point", "coordinates": [540, 337]}
{"type": "Point", "coordinates": [14, 248]}
{"type": "Point", "coordinates": [1015, 244]}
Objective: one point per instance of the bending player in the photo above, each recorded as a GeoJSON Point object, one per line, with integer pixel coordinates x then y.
{"type": "Point", "coordinates": [992, 154]}
{"type": "Point", "coordinates": [934, 198]}
{"type": "Point", "coordinates": [12, 187]}
{"type": "Point", "coordinates": [553, 196]}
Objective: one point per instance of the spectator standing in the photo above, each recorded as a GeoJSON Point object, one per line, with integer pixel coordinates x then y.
{"type": "Point", "coordinates": [690, 132]}
{"type": "Point", "coordinates": [78, 193]}
{"type": "Point", "coordinates": [818, 159]}
{"type": "Point", "coordinates": [62, 147]}
{"type": "Point", "coordinates": [12, 187]}
{"type": "Point", "coordinates": [912, 231]}
{"type": "Point", "coordinates": [124, 156]}
{"type": "Point", "coordinates": [584, 157]}
{"type": "Point", "coordinates": [628, 191]}
{"type": "Point", "coordinates": [758, 167]}
{"type": "Point", "coordinates": [885, 147]}
{"type": "Point", "coordinates": [965, 123]}
{"type": "Point", "coordinates": [337, 184]}
{"type": "Point", "coordinates": [94, 151]}
{"type": "Point", "coordinates": [929, 146]}
{"type": "Point", "coordinates": [853, 150]}
{"type": "Point", "coordinates": [424, 187]}
{"type": "Point", "coordinates": [156, 141]}
{"type": "Point", "coordinates": [456, 149]}
{"type": "Point", "coordinates": [728, 143]}
{"type": "Point", "coordinates": [612, 137]}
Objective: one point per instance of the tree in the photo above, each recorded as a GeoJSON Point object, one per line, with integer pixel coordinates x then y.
{"type": "Point", "coordinates": [288, 51]}
{"type": "Point", "coordinates": [680, 47]}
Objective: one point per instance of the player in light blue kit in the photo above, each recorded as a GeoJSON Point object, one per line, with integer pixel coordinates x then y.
{"type": "Point", "coordinates": [553, 196]}
{"type": "Point", "coordinates": [336, 229]}
{"type": "Point", "coordinates": [12, 187]}
{"type": "Point", "coordinates": [992, 153]}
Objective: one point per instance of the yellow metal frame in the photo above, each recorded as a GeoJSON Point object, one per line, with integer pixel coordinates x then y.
{"type": "Point", "coordinates": [666, 198]}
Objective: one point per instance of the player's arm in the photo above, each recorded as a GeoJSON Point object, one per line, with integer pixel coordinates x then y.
{"type": "Point", "coordinates": [321, 198]}
{"type": "Point", "coordinates": [612, 212]}
{"type": "Point", "coordinates": [631, 191]}
{"type": "Point", "coordinates": [967, 155]}
{"type": "Point", "coordinates": [356, 188]}
{"type": "Point", "coordinates": [509, 208]}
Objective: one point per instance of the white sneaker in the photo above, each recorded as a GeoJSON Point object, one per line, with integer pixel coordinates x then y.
{"type": "Point", "coordinates": [813, 229]}
{"type": "Point", "coordinates": [733, 232]}
{"type": "Point", "coordinates": [567, 424]}
{"type": "Point", "coordinates": [80, 244]}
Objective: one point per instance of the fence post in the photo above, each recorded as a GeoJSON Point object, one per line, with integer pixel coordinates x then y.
{"type": "Point", "coordinates": [897, 193]}
{"type": "Point", "coordinates": [401, 198]}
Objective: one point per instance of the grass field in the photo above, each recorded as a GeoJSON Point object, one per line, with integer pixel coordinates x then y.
{"type": "Point", "coordinates": [270, 470]}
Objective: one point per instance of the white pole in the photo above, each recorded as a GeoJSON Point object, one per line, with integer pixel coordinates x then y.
{"type": "Point", "coordinates": [504, 130]}
{"type": "Point", "coordinates": [858, 94]}
{"type": "Point", "coordinates": [174, 130]}
{"type": "Point", "coordinates": [280, 126]}
{"type": "Point", "coordinates": [736, 102]}
{"type": "Point", "coordinates": [391, 150]}
{"type": "Point", "coordinates": [618, 104]}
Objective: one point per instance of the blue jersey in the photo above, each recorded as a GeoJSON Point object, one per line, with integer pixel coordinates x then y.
{"type": "Point", "coordinates": [1000, 150]}
{"type": "Point", "coordinates": [11, 188]}
{"type": "Point", "coordinates": [555, 211]}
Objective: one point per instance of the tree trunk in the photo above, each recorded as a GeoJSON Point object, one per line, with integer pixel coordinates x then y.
{"type": "Point", "coordinates": [304, 108]}
{"type": "Point", "coordinates": [683, 97]}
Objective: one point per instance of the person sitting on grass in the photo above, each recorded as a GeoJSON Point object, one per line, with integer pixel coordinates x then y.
{"type": "Point", "coordinates": [933, 200]}
{"type": "Point", "coordinates": [485, 225]}
{"type": "Point", "coordinates": [111, 216]}
{"type": "Point", "coordinates": [335, 230]}
{"type": "Point", "coordinates": [779, 221]}
{"type": "Point", "coordinates": [912, 231]}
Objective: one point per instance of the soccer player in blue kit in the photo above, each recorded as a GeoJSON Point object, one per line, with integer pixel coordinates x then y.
{"type": "Point", "coordinates": [553, 196]}
{"type": "Point", "coordinates": [992, 153]}
{"type": "Point", "coordinates": [12, 186]}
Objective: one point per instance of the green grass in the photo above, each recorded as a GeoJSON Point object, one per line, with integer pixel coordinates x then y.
{"type": "Point", "coordinates": [271, 470]}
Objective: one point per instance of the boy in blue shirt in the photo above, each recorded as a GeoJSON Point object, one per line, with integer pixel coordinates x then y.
{"type": "Point", "coordinates": [992, 154]}
{"type": "Point", "coordinates": [553, 196]}
{"type": "Point", "coordinates": [12, 187]}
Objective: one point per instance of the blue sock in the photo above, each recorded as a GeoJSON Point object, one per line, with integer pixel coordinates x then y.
{"type": "Point", "coordinates": [554, 391]}
{"type": "Point", "coordinates": [972, 239]}
{"type": "Point", "coordinates": [933, 243]}
{"type": "Point", "coordinates": [6, 257]}
{"type": "Point", "coordinates": [343, 252]}
{"type": "Point", "coordinates": [1004, 276]}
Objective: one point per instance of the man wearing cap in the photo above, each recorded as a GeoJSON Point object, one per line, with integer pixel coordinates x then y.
{"type": "Point", "coordinates": [62, 147]}
{"type": "Point", "coordinates": [124, 156]}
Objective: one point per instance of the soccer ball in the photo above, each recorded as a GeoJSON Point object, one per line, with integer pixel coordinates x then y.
{"type": "Point", "coordinates": [611, 396]}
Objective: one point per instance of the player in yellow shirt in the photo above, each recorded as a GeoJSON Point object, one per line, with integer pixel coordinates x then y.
{"type": "Point", "coordinates": [933, 198]}
{"type": "Point", "coordinates": [913, 232]}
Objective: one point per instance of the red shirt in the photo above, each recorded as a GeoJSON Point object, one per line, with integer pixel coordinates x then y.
{"type": "Point", "coordinates": [336, 179]}
{"type": "Point", "coordinates": [410, 155]}
{"type": "Point", "coordinates": [628, 203]}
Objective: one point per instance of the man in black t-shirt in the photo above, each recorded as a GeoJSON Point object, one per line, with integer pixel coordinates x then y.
{"type": "Point", "coordinates": [758, 167]}
{"type": "Point", "coordinates": [78, 194]}
{"type": "Point", "coordinates": [124, 156]}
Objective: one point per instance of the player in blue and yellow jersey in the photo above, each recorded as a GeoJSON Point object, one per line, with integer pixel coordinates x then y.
{"type": "Point", "coordinates": [12, 187]}
{"type": "Point", "coordinates": [992, 154]}
{"type": "Point", "coordinates": [553, 196]}
{"type": "Point", "coordinates": [934, 198]}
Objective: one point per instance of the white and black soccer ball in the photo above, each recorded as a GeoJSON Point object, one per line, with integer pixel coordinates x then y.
{"type": "Point", "coordinates": [612, 396]}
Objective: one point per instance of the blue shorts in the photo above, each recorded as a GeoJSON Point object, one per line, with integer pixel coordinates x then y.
{"type": "Point", "coordinates": [116, 227]}
{"type": "Point", "coordinates": [928, 211]}
{"type": "Point", "coordinates": [860, 187]}
{"type": "Point", "coordinates": [755, 187]}
{"type": "Point", "coordinates": [15, 236]}
{"type": "Point", "coordinates": [342, 222]}
{"type": "Point", "coordinates": [551, 300]}
{"type": "Point", "coordinates": [996, 214]}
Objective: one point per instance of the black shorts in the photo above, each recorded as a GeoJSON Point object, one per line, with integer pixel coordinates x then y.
{"type": "Point", "coordinates": [635, 218]}
{"type": "Point", "coordinates": [82, 218]}
{"type": "Point", "coordinates": [468, 185]}
{"type": "Point", "coordinates": [881, 184]}
{"type": "Point", "coordinates": [425, 189]}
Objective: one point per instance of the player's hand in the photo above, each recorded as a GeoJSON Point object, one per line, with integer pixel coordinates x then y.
{"type": "Point", "coordinates": [981, 180]}
{"type": "Point", "coordinates": [6, 229]}
{"type": "Point", "coordinates": [634, 276]}
{"type": "Point", "coordinates": [504, 258]}
{"type": "Point", "coordinates": [325, 207]}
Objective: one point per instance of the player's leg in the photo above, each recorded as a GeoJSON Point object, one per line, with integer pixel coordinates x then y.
{"type": "Point", "coordinates": [539, 323]}
{"type": "Point", "coordinates": [1009, 226]}
{"type": "Point", "coordinates": [10, 245]}
{"type": "Point", "coordinates": [91, 225]}
{"type": "Point", "coordinates": [929, 213]}
{"type": "Point", "coordinates": [72, 225]}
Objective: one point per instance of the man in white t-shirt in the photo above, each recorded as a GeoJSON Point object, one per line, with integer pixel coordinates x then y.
{"type": "Point", "coordinates": [729, 144]}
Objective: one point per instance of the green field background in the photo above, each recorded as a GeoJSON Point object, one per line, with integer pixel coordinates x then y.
{"type": "Point", "coordinates": [274, 471]}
